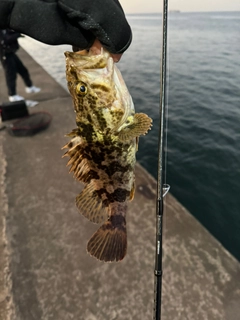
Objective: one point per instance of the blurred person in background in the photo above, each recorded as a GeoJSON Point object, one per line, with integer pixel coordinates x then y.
{"type": "Point", "coordinates": [12, 65]}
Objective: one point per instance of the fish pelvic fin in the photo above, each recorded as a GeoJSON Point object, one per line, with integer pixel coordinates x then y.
{"type": "Point", "coordinates": [131, 197]}
{"type": "Point", "coordinates": [109, 242]}
{"type": "Point", "coordinates": [90, 205]}
{"type": "Point", "coordinates": [137, 125]}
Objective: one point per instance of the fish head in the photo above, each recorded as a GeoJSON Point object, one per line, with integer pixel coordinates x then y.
{"type": "Point", "coordinates": [98, 90]}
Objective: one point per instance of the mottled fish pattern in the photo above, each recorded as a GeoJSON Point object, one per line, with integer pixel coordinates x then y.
{"type": "Point", "coordinates": [102, 148]}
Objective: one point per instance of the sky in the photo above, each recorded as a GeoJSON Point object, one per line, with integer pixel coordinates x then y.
{"type": "Point", "coordinates": [150, 6]}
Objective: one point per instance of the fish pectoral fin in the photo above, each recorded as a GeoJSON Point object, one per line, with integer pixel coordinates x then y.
{"type": "Point", "coordinates": [91, 206]}
{"type": "Point", "coordinates": [109, 242]}
{"type": "Point", "coordinates": [139, 125]}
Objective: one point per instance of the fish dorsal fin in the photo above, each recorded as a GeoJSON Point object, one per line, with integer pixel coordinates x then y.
{"type": "Point", "coordinates": [138, 125]}
{"type": "Point", "coordinates": [90, 205]}
{"type": "Point", "coordinates": [88, 202]}
{"type": "Point", "coordinates": [78, 162]}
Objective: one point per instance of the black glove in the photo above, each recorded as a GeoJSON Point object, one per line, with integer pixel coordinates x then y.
{"type": "Point", "coordinates": [74, 22]}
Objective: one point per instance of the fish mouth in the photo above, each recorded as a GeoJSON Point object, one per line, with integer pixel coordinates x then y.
{"type": "Point", "coordinates": [86, 60]}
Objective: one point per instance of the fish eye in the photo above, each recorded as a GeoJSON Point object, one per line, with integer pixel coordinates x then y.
{"type": "Point", "coordinates": [81, 89]}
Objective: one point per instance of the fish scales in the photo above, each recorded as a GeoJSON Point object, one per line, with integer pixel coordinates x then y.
{"type": "Point", "coordinates": [102, 148]}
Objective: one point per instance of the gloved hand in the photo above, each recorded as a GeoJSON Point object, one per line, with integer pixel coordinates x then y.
{"type": "Point", "coordinates": [74, 22]}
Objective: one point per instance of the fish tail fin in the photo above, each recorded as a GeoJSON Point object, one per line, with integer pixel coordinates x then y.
{"type": "Point", "coordinates": [109, 242]}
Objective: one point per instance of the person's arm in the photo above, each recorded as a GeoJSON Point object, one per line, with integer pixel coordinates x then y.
{"type": "Point", "coordinates": [10, 37]}
{"type": "Point", "coordinates": [74, 22]}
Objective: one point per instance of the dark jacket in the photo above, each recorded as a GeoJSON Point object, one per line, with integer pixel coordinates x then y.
{"type": "Point", "coordinates": [8, 41]}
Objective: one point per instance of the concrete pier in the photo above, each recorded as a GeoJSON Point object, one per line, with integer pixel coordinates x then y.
{"type": "Point", "coordinates": [45, 272]}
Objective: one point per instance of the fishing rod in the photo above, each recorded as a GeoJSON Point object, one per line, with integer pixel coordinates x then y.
{"type": "Point", "coordinates": [162, 189]}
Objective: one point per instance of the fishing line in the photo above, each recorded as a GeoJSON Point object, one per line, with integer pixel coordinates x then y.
{"type": "Point", "coordinates": [161, 188]}
{"type": "Point", "coordinates": [166, 127]}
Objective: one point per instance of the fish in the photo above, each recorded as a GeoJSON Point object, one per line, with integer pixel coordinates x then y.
{"type": "Point", "coordinates": [103, 147]}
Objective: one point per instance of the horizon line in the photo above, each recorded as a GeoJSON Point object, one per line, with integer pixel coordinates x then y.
{"type": "Point", "coordinates": [179, 11]}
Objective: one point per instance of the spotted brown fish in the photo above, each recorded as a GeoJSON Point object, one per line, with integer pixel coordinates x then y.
{"type": "Point", "coordinates": [102, 148]}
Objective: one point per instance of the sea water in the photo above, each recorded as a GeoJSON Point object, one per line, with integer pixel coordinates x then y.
{"type": "Point", "coordinates": [203, 108]}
